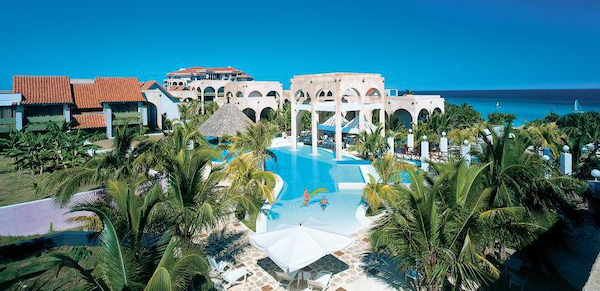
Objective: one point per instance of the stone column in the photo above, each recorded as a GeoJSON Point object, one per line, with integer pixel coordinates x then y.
{"type": "Point", "coordinates": [410, 140]}
{"type": "Point", "coordinates": [415, 120]}
{"type": "Point", "coordinates": [19, 117]}
{"type": "Point", "coordinates": [67, 112]}
{"type": "Point", "coordinates": [444, 145]}
{"type": "Point", "coordinates": [144, 113]}
{"type": "Point", "coordinates": [391, 145]}
{"type": "Point", "coordinates": [108, 119]}
{"type": "Point", "coordinates": [465, 152]}
{"type": "Point", "coordinates": [314, 132]}
{"type": "Point", "coordinates": [294, 129]}
{"type": "Point", "coordinates": [566, 161]}
{"type": "Point", "coordinates": [382, 110]}
{"type": "Point", "coordinates": [361, 120]}
{"type": "Point", "coordinates": [424, 153]}
{"type": "Point", "coordinates": [338, 134]}
{"type": "Point", "coordinates": [202, 102]}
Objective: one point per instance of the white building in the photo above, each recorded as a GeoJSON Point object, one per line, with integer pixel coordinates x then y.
{"type": "Point", "coordinates": [212, 84]}
{"type": "Point", "coordinates": [161, 104]}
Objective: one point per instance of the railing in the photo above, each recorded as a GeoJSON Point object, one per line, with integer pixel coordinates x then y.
{"type": "Point", "coordinates": [7, 124]}
{"type": "Point", "coordinates": [39, 123]}
{"type": "Point", "coordinates": [121, 118]}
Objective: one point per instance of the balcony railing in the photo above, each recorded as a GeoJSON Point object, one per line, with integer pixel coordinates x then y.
{"type": "Point", "coordinates": [39, 123]}
{"type": "Point", "coordinates": [7, 124]}
{"type": "Point", "coordinates": [121, 118]}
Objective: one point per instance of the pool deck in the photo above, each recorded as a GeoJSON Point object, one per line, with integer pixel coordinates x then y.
{"type": "Point", "coordinates": [347, 266]}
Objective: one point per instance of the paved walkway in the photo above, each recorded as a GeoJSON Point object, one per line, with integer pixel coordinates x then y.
{"type": "Point", "coordinates": [347, 266]}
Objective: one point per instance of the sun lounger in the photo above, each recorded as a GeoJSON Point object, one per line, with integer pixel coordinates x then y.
{"type": "Point", "coordinates": [217, 267]}
{"type": "Point", "coordinates": [285, 280]}
{"type": "Point", "coordinates": [321, 281]}
{"type": "Point", "coordinates": [232, 278]}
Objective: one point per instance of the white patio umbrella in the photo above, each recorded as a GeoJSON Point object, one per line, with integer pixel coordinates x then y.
{"type": "Point", "coordinates": [293, 247]}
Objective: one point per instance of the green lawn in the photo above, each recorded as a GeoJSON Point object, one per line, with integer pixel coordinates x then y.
{"type": "Point", "coordinates": [16, 186]}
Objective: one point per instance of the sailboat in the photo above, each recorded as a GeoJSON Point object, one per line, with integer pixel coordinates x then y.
{"type": "Point", "coordinates": [577, 107]}
{"type": "Point", "coordinates": [497, 104]}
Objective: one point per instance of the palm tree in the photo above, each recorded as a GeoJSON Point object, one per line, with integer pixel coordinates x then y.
{"type": "Point", "coordinates": [256, 140]}
{"type": "Point", "coordinates": [439, 228]}
{"type": "Point", "coordinates": [247, 178]}
{"type": "Point", "coordinates": [370, 144]}
{"type": "Point", "coordinates": [546, 135]}
{"type": "Point", "coordinates": [118, 163]}
{"type": "Point", "coordinates": [116, 272]}
{"type": "Point", "coordinates": [375, 193]}
{"type": "Point", "coordinates": [389, 167]}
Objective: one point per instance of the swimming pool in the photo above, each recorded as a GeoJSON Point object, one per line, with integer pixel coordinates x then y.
{"type": "Point", "coordinates": [301, 169]}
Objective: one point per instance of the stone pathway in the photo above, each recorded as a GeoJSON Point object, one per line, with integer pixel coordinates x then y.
{"type": "Point", "coordinates": [347, 266]}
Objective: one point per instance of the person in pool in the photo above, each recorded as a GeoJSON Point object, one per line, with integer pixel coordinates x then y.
{"type": "Point", "coordinates": [324, 203]}
{"type": "Point", "coordinates": [306, 197]}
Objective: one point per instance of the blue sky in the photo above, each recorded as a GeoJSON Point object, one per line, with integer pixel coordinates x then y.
{"type": "Point", "coordinates": [429, 45]}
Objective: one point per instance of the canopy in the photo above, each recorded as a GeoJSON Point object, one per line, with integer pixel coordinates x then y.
{"type": "Point", "coordinates": [293, 247]}
{"type": "Point", "coordinates": [329, 124]}
{"type": "Point", "coordinates": [227, 120]}
{"type": "Point", "coordinates": [352, 126]}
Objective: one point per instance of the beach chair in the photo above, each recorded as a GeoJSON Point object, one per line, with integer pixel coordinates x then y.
{"type": "Point", "coordinates": [320, 282]}
{"type": "Point", "coordinates": [285, 280]}
{"type": "Point", "coordinates": [217, 267]}
{"type": "Point", "coordinates": [232, 278]}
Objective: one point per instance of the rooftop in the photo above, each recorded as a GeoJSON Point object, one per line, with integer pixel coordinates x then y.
{"type": "Point", "coordinates": [84, 93]}
{"type": "Point", "coordinates": [203, 70]}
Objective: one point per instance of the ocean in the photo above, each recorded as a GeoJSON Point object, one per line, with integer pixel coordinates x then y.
{"type": "Point", "coordinates": [527, 105]}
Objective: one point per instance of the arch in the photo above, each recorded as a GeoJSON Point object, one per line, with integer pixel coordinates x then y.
{"type": "Point", "coordinates": [373, 92]}
{"type": "Point", "coordinates": [350, 115]}
{"type": "Point", "coordinates": [301, 97]}
{"type": "Point", "coordinates": [221, 92]}
{"type": "Point", "coordinates": [255, 94]}
{"type": "Point", "coordinates": [351, 92]}
{"type": "Point", "coordinates": [401, 117]}
{"type": "Point", "coordinates": [273, 94]}
{"type": "Point", "coordinates": [239, 95]}
{"type": "Point", "coordinates": [324, 95]}
{"type": "Point", "coordinates": [437, 110]}
{"type": "Point", "coordinates": [423, 114]}
{"type": "Point", "coordinates": [250, 113]}
{"type": "Point", "coordinates": [174, 84]}
{"type": "Point", "coordinates": [199, 89]}
{"type": "Point", "coordinates": [209, 94]}
{"type": "Point", "coordinates": [180, 83]}
{"type": "Point", "coordinates": [267, 113]}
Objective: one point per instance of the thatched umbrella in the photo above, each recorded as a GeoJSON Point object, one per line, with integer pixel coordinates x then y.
{"type": "Point", "coordinates": [227, 120]}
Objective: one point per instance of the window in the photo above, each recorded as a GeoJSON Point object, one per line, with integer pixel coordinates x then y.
{"type": "Point", "coordinates": [124, 107]}
{"type": "Point", "coordinates": [7, 112]}
{"type": "Point", "coordinates": [47, 110]}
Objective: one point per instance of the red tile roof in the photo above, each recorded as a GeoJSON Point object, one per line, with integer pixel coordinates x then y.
{"type": "Point", "coordinates": [147, 85]}
{"type": "Point", "coordinates": [178, 88]}
{"type": "Point", "coordinates": [86, 96]}
{"type": "Point", "coordinates": [89, 120]}
{"type": "Point", "coordinates": [43, 90]}
{"type": "Point", "coordinates": [202, 70]}
{"type": "Point", "coordinates": [244, 76]}
{"type": "Point", "coordinates": [119, 89]}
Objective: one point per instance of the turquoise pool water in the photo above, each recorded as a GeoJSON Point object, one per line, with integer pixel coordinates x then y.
{"type": "Point", "coordinates": [301, 169]}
